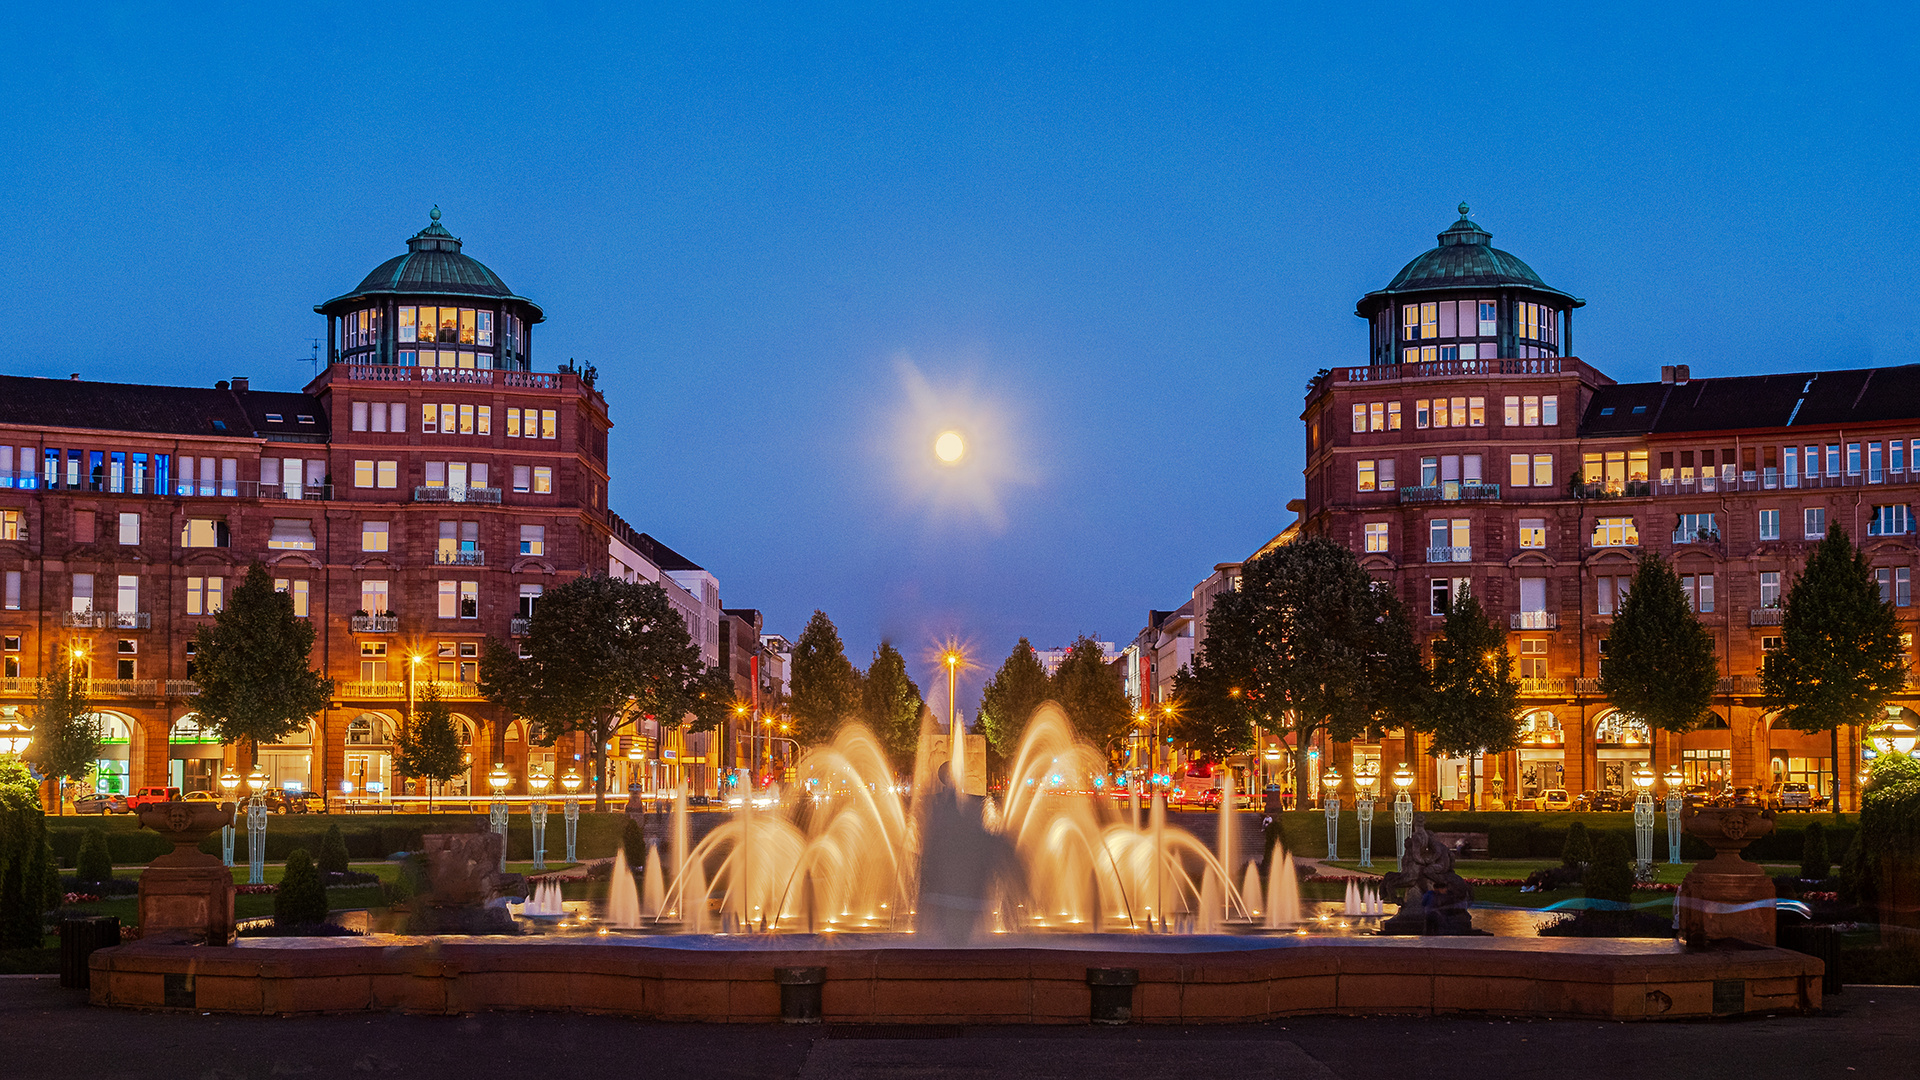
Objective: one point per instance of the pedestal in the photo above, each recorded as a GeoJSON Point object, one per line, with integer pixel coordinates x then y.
{"type": "Point", "coordinates": [1726, 897]}
{"type": "Point", "coordinates": [186, 895]}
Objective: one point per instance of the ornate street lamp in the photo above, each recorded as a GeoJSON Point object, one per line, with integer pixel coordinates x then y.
{"type": "Point", "coordinates": [229, 783]}
{"type": "Point", "coordinates": [14, 736]}
{"type": "Point", "coordinates": [1676, 797]}
{"type": "Point", "coordinates": [498, 779]}
{"type": "Point", "coordinates": [1643, 820]}
{"type": "Point", "coordinates": [1896, 736]}
{"type": "Point", "coordinates": [257, 828]}
{"type": "Point", "coordinates": [537, 810]}
{"type": "Point", "coordinates": [1402, 810]}
{"type": "Point", "coordinates": [570, 810]}
{"type": "Point", "coordinates": [1363, 812]}
{"type": "Point", "coordinates": [1330, 802]}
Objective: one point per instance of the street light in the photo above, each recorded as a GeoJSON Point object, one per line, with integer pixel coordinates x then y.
{"type": "Point", "coordinates": [1643, 819]}
{"type": "Point", "coordinates": [14, 735]}
{"type": "Point", "coordinates": [229, 782]}
{"type": "Point", "coordinates": [498, 779]}
{"type": "Point", "coordinates": [1675, 798]}
{"type": "Point", "coordinates": [1363, 812]}
{"type": "Point", "coordinates": [257, 828]}
{"type": "Point", "coordinates": [537, 811]}
{"type": "Point", "coordinates": [952, 659]}
{"type": "Point", "coordinates": [1330, 802]}
{"type": "Point", "coordinates": [570, 809]}
{"type": "Point", "coordinates": [1402, 811]}
{"type": "Point", "coordinates": [1895, 736]}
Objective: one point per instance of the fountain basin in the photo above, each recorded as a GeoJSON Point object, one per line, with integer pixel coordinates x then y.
{"type": "Point", "coordinates": [880, 979]}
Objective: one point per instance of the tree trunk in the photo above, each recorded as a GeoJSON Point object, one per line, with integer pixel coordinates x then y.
{"type": "Point", "coordinates": [1834, 737]}
{"type": "Point", "coordinates": [599, 775]}
{"type": "Point", "coordinates": [1302, 767]}
{"type": "Point", "coordinates": [1473, 781]}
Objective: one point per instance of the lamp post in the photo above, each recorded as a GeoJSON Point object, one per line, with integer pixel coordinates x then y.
{"type": "Point", "coordinates": [257, 828]}
{"type": "Point", "coordinates": [14, 736]}
{"type": "Point", "coordinates": [1675, 798]}
{"type": "Point", "coordinates": [952, 659]}
{"type": "Point", "coordinates": [537, 810]}
{"type": "Point", "coordinates": [1643, 821]}
{"type": "Point", "coordinates": [570, 810]}
{"type": "Point", "coordinates": [1363, 813]}
{"type": "Point", "coordinates": [1330, 802]}
{"type": "Point", "coordinates": [229, 783]}
{"type": "Point", "coordinates": [1402, 811]}
{"type": "Point", "coordinates": [498, 779]}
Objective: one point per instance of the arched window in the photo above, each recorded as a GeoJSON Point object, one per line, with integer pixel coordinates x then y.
{"type": "Point", "coordinates": [369, 729]}
{"type": "Point", "coordinates": [463, 729]}
{"type": "Point", "coordinates": [1618, 729]}
{"type": "Point", "coordinates": [187, 729]}
{"type": "Point", "coordinates": [1540, 728]}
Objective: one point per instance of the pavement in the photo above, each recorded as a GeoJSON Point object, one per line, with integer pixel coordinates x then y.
{"type": "Point", "coordinates": [50, 1032]}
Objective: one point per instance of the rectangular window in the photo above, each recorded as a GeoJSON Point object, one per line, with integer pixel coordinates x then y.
{"type": "Point", "coordinates": [296, 588]}
{"type": "Point", "coordinates": [363, 474]}
{"type": "Point", "coordinates": [1456, 413]}
{"type": "Point", "coordinates": [1816, 522]}
{"type": "Point", "coordinates": [1883, 577]}
{"type": "Point", "coordinates": [486, 329]}
{"type": "Point", "coordinates": [1543, 470]}
{"type": "Point", "coordinates": [1511, 412]}
{"type": "Point", "coordinates": [522, 478]}
{"type": "Point", "coordinates": [1853, 459]}
{"type": "Point", "coordinates": [1377, 416]}
{"type": "Point", "coordinates": [9, 524]}
{"type": "Point", "coordinates": [13, 591]}
{"type": "Point", "coordinates": [449, 599]}
{"type": "Point", "coordinates": [1530, 411]}
{"type": "Point", "coordinates": [542, 480]}
{"type": "Point", "coordinates": [1550, 410]}
{"type": "Point", "coordinates": [513, 423]}
{"type": "Point", "coordinates": [1833, 459]}
{"type": "Point", "coordinates": [1422, 414]}
{"type": "Point", "coordinates": [1533, 658]}
{"type": "Point", "coordinates": [466, 419]}
{"type": "Point", "coordinates": [1470, 469]}
{"type": "Point", "coordinates": [1520, 470]}
{"type": "Point", "coordinates": [1359, 418]}
{"type": "Point", "coordinates": [1873, 463]}
{"type": "Point", "coordinates": [1385, 469]}
{"type": "Point", "coordinates": [1489, 319]}
{"type": "Point", "coordinates": [407, 325]}
{"type": "Point", "coordinates": [128, 593]}
{"type": "Point", "coordinates": [1533, 532]}
{"type": "Point", "coordinates": [204, 595]}
{"type": "Point", "coordinates": [1476, 412]}
{"type": "Point", "coordinates": [549, 424]}
{"type": "Point", "coordinates": [83, 592]}
{"type": "Point", "coordinates": [1615, 532]}
{"type": "Point", "coordinates": [436, 474]}
{"type": "Point", "coordinates": [467, 326]}
{"type": "Point", "coordinates": [1439, 595]}
{"type": "Point", "coordinates": [359, 416]}
{"type": "Point", "coordinates": [1393, 417]}
{"type": "Point", "coordinates": [469, 599]}
{"type": "Point", "coordinates": [396, 418]}
{"type": "Point", "coordinates": [292, 534]}
{"type": "Point", "coordinates": [1902, 586]}
{"type": "Point", "coordinates": [448, 423]}
{"type": "Point", "coordinates": [429, 419]}
{"type": "Point", "coordinates": [1376, 537]}
{"type": "Point", "coordinates": [1890, 521]}
{"type": "Point", "coordinates": [1769, 524]}
{"type": "Point", "coordinates": [1790, 467]}
{"type": "Point", "coordinates": [533, 539]}
{"type": "Point", "coordinates": [205, 532]}
{"type": "Point", "coordinates": [483, 420]}
{"type": "Point", "coordinates": [1366, 480]}
{"type": "Point", "coordinates": [1699, 590]}
{"type": "Point", "coordinates": [529, 596]}
{"type": "Point", "coordinates": [1897, 456]}
{"type": "Point", "coordinates": [1769, 588]}
{"type": "Point", "coordinates": [374, 598]}
{"type": "Point", "coordinates": [1696, 529]}
{"type": "Point", "coordinates": [387, 474]}
{"type": "Point", "coordinates": [1611, 591]}
{"type": "Point", "coordinates": [374, 536]}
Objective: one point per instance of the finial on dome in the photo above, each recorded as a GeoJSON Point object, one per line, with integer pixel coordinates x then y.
{"type": "Point", "coordinates": [435, 212]}
{"type": "Point", "coordinates": [1463, 210]}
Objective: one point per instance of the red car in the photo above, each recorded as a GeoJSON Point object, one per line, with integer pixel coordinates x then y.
{"type": "Point", "coordinates": [148, 795]}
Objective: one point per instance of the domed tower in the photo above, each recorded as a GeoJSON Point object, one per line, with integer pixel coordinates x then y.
{"type": "Point", "coordinates": [432, 307]}
{"type": "Point", "coordinates": [1466, 300]}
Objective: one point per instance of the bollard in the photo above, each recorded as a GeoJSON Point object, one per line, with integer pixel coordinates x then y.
{"type": "Point", "coordinates": [800, 993]}
{"type": "Point", "coordinates": [1112, 994]}
{"type": "Point", "coordinates": [78, 939]}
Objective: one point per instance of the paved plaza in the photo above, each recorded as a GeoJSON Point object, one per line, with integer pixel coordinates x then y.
{"type": "Point", "coordinates": [1866, 1032]}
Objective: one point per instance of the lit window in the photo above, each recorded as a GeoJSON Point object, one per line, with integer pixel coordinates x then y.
{"type": "Point", "coordinates": [374, 536]}
{"type": "Point", "coordinates": [429, 419]}
{"type": "Point", "coordinates": [291, 534]}
{"type": "Point", "coordinates": [1476, 412]}
{"type": "Point", "coordinates": [374, 598]}
{"type": "Point", "coordinates": [1511, 412]}
{"type": "Point", "coordinates": [1421, 414]}
{"type": "Point", "coordinates": [296, 588]}
{"type": "Point", "coordinates": [1376, 537]}
{"type": "Point", "coordinates": [483, 422]}
{"type": "Point", "coordinates": [1769, 588]}
{"type": "Point", "coordinates": [1519, 470]}
{"type": "Point", "coordinates": [205, 532]}
{"type": "Point", "coordinates": [1359, 418]}
{"type": "Point", "coordinates": [1377, 416]}
{"type": "Point", "coordinates": [513, 423]}
{"type": "Point", "coordinates": [1543, 470]}
{"type": "Point", "coordinates": [449, 422]}
{"type": "Point", "coordinates": [1366, 475]}
{"type": "Point", "coordinates": [408, 328]}
{"type": "Point", "coordinates": [549, 424]}
{"type": "Point", "coordinates": [204, 595]}
{"type": "Point", "coordinates": [533, 539]}
{"type": "Point", "coordinates": [449, 599]}
{"type": "Point", "coordinates": [363, 474]}
{"type": "Point", "coordinates": [1393, 424]}
{"type": "Point", "coordinates": [542, 480]}
{"type": "Point", "coordinates": [1533, 658]}
{"type": "Point", "coordinates": [388, 474]}
{"type": "Point", "coordinates": [1459, 411]}
{"type": "Point", "coordinates": [466, 419]}
{"type": "Point", "coordinates": [1615, 532]}
{"type": "Point", "coordinates": [1533, 532]}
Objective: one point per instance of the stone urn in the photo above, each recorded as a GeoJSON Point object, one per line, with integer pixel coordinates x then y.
{"type": "Point", "coordinates": [187, 895]}
{"type": "Point", "coordinates": [1726, 897]}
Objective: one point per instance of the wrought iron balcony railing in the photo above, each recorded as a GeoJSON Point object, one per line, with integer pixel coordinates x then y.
{"type": "Point", "coordinates": [106, 620]}
{"type": "Point", "coordinates": [374, 624]}
{"type": "Point", "coordinates": [1536, 620]}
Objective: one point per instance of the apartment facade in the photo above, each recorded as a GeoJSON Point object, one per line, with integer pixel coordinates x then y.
{"type": "Point", "coordinates": [1473, 451]}
{"type": "Point", "coordinates": [413, 502]}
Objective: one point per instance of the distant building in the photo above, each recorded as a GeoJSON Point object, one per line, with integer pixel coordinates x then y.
{"type": "Point", "coordinates": [1051, 659]}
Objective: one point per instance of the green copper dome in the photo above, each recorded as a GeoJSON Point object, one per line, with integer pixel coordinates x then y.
{"type": "Point", "coordinates": [433, 266]}
{"type": "Point", "coordinates": [1467, 259]}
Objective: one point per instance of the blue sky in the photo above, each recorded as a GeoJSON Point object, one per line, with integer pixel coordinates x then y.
{"type": "Point", "coordinates": [1116, 241]}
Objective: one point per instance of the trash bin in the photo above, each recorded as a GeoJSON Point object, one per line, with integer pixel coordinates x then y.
{"type": "Point", "coordinates": [78, 938]}
{"type": "Point", "coordinates": [1816, 941]}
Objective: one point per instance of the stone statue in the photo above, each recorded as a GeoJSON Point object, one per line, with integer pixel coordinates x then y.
{"type": "Point", "coordinates": [467, 893]}
{"type": "Point", "coordinates": [1436, 898]}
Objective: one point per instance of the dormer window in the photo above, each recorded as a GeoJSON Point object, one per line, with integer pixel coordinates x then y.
{"type": "Point", "coordinates": [219, 425]}
{"type": "Point", "coordinates": [303, 418]}
{"type": "Point", "coordinates": [275, 418]}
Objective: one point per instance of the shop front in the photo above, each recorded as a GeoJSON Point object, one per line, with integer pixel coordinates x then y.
{"type": "Point", "coordinates": [194, 756]}
{"type": "Point", "coordinates": [1541, 757]}
{"type": "Point", "coordinates": [368, 762]}
{"type": "Point", "coordinates": [1621, 744]}
{"type": "Point", "coordinates": [112, 769]}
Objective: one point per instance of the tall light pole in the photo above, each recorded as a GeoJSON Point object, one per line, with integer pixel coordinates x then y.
{"type": "Point", "coordinates": [257, 828]}
{"type": "Point", "coordinates": [229, 783]}
{"type": "Point", "coordinates": [498, 779]}
{"type": "Point", "coordinates": [952, 658]}
{"type": "Point", "coordinates": [537, 811]}
{"type": "Point", "coordinates": [1363, 812]}
{"type": "Point", "coordinates": [1643, 821]}
{"type": "Point", "coordinates": [570, 810]}
{"type": "Point", "coordinates": [1330, 801]}
{"type": "Point", "coordinates": [1402, 811]}
{"type": "Point", "coordinates": [1675, 798]}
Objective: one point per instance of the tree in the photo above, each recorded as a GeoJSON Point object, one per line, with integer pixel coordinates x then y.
{"type": "Point", "coordinates": [93, 863]}
{"type": "Point", "coordinates": [66, 740]}
{"type": "Point", "coordinates": [429, 745]}
{"type": "Point", "coordinates": [1327, 647]}
{"type": "Point", "coordinates": [826, 687]}
{"type": "Point", "coordinates": [890, 705]}
{"type": "Point", "coordinates": [1009, 699]}
{"type": "Point", "coordinates": [1093, 693]}
{"type": "Point", "coordinates": [1475, 703]}
{"type": "Point", "coordinates": [333, 851]}
{"type": "Point", "coordinates": [1840, 657]}
{"type": "Point", "coordinates": [251, 663]}
{"type": "Point", "coordinates": [301, 899]}
{"type": "Point", "coordinates": [1212, 714]}
{"type": "Point", "coordinates": [1661, 664]}
{"type": "Point", "coordinates": [601, 655]}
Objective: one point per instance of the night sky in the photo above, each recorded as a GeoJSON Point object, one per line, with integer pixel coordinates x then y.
{"type": "Point", "coordinates": [1108, 246]}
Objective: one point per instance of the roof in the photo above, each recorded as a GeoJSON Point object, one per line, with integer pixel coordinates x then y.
{"type": "Point", "coordinates": [1800, 399]}
{"type": "Point", "coordinates": [433, 265]}
{"type": "Point", "coordinates": [158, 410]}
{"type": "Point", "coordinates": [1467, 259]}
{"type": "Point", "coordinates": [663, 556]}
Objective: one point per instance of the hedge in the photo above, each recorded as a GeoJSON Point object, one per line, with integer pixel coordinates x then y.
{"type": "Point", "coordinates": [1543, 834]}
{"type": "Point", "coordinates": [367, 836]}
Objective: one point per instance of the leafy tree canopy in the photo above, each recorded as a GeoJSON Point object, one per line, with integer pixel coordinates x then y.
{"type": "Point", "coordinates": [1661, 664]}
{"type": "Point", "coordinates": [890, 705]}
{"type": "Point", "coordinates": [1092, 692]}
{"type": "Point", "coordinates": [1009, 699]}
{"type": "Point", "coordinates": [251, 663]}
{"type": "Point", "coordinates": [1475, 703]}
{"type": "Point", "coordinates": [429, 746]}
{"type": "Point", "coordinates": [1840, 657]}
{"type": "Point", "coordinates": [1212, 713]}
{"type": "Point", "coordinates": [66, 739]}
{"type": "Point", "coordinates": [826, 685]}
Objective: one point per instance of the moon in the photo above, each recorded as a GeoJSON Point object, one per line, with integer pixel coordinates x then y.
{"type": "Point", "coordinates": [949, 447]}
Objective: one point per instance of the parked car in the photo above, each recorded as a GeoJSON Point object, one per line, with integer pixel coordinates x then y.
{"type": "Point", "coordinates": [200, 796]}
{"type": "Point", "coordinates": [293, 801]}
{"type": "Point", "coordinates": [1746, 796]}
{"type": "Point", "coordinates": [1790, 795]}
{"type": "Point", "coordinates": [154, 795]}
{"type": "Point", "coordinates": [1208, 799]}
{"type": "Point", "coordinates": [1601, 800]}
{"type": "Point", "coordinates": [100, 802]}
{"type": "Point", "coordinates": [1555, 799]}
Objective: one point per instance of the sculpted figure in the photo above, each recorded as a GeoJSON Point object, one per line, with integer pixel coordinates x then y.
{"type": "Point", "coordinates": [1435, 898]}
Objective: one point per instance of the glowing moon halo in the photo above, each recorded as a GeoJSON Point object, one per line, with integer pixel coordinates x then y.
{"type": "Point", "coordinates": [949, 447]}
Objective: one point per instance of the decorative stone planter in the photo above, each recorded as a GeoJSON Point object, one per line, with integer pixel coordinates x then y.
{"type": "Point", "coordinates": [186, 895]}
{"type": "Point", "coordinates": [1726, 897]}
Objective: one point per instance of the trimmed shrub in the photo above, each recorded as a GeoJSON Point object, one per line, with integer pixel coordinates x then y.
{"type": "Point", "coordinates": [333, 851]}
{"type": "Point", "coordinates": [1578, 849]}
{"type": "Point", "coordinates": [1609, 875]}
{"type": "Point", "coordinates": [93, 862]}
{"type": "Point", "coordinates": [1815, 864]}
{"type": "Point", "coordinates": [301, 899]}
{"type": "Point", "coordinates": [634, 840]}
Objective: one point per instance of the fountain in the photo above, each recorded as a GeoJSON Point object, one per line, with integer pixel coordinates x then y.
{"type": "Point", "coordinates": [623, 900]}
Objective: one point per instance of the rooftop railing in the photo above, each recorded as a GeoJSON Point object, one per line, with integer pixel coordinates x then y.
{"type": "Point", "coordinates": [1451, 491]}
{"type": "Point", "coordinates": [498, 377]}
{"type": "Point", "coordinates": [1446, 369]}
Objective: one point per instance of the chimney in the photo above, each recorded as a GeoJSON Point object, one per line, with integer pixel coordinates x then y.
{"type": "Point", "coordinates": [75, 377]}
{"type": "Point", "coordinates": [1666, 373]}
{"type": "Point", "coordinates": [1681, 375]}
{"type": "Point", "coordinates": [240, 383]}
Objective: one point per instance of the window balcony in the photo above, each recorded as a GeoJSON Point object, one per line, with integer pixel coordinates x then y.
{"type": "Point", "coordinates": [1449, 554]}
{"type": "Point", "coordinates": [459, 558]}
{"type": "Point", "coordinates": [396, 689]}
{"type": "Point", "coordinates": [114, 688]}
{"type": "Point", "coordinates": [1696, 536]}
{"type": "Point", "coordinates": [521, 626]}
{"type": "Point", "coordinates": [106, 620]}
{"type": "Point", "coordinates": [1536, 620]}
{"type": "Point", "coordinates": [455, 493]}
{"type": "Point", "coordinates": [374, 624]}
{"type": "Point", "coordinates": [1765, 616]}
{"type": "Point", "coordinates": [1451, 491]}
{"type": "Point", "coordinates": [1544, 687]}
